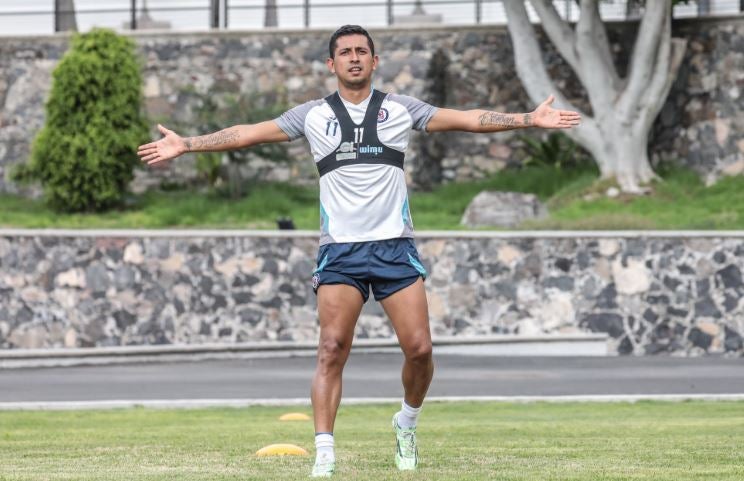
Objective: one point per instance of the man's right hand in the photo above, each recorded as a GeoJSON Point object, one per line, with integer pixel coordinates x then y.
{"type": "Point", "coordinates": [167, 148]}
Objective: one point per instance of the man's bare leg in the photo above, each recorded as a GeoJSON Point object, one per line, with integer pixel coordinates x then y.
{"type": "Point", "coordinates": [409, 314]}
{"type": "Point", "coordinates": [339, 306]}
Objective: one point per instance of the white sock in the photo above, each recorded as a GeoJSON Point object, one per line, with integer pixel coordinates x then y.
{"type": "Point", "coordinates": [324, 448]}
{"type": "Point", "coordinates": [408, 416]}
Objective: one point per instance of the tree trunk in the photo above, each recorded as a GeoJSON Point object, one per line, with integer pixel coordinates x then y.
{"type": "Point", "coordinates": [623, 109]}
{"type": "Point", "coordinates": [622, 154]}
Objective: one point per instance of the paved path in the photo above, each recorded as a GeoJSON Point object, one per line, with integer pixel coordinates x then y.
{"type": "Point", "coordinates": [377, 376]}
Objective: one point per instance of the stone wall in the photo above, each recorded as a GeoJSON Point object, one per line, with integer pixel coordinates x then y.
{"type": "Point", "coordinates": [654, 293]}
{"type": "Point", "coordinates": [701, 125]}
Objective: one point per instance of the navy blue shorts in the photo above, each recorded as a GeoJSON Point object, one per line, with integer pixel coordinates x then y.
{"type": "Point", "coordinates": [387, 266]}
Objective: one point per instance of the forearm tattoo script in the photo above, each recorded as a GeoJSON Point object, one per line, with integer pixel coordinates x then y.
{"type": "Point", "coordinates": [211, 140]}
{"type": "Point", "coordinates": [503, 120]}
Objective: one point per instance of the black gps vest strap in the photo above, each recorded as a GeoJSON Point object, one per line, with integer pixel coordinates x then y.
{"type": "Point", "coordinates": [359, 142]}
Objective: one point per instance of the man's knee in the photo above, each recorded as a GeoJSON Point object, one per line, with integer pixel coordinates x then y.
{"type": "Point", "coordinates": [419, 352]}
{"type": "Point", "coordinates": [332, 353]}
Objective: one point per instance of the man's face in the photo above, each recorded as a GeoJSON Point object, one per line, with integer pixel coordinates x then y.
{"type": "Point", "coordinates": [353, 61]}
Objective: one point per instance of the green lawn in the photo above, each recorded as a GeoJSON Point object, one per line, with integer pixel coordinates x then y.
{"type": "Point", "coordinates": [458, 441]}
{"type": "Point", "coordinates": [574, 197]}
{"type": "Point", "coordinates": [680, 201]}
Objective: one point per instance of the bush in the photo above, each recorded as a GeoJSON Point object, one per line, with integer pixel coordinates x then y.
{"type": "Point", "coordinates": [85, 154]}
{"type": "Point", "coordinates": [558, 151]}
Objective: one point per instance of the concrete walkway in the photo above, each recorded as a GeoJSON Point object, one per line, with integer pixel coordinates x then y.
{"type": "Point", "coordinates": [370, 377]}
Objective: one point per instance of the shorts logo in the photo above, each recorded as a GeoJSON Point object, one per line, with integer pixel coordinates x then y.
{"type": "Point", "coordinates": [316, 281]}
{"type": "Point", "coordinates": [382, 115]}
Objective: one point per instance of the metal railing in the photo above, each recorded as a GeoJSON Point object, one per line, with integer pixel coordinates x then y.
{"type": "Point", "coordinates": [36, 16]}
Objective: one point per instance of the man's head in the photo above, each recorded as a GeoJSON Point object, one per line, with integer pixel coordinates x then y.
{"type": "Point", "coordinates": [349, 30]}
{"type": "Point", "coordinates": [352, 56]}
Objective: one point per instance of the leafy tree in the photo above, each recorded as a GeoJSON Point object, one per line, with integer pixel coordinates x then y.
{"type": "Point", "coordinates": [85, 154]}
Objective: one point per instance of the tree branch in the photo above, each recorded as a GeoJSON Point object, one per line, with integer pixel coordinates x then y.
{"type": "Point", "coordinates": [528, 56]}
{"type": "Point", "coordinates": [603, 43]}
{"type": "Point", "coordinates": [598, 75]}
{"type": "Point", "coordinates": [558, 31]}
{"type": "Point", "coordinates": [671, 54]}
{"type": "Point", "coordinates": [645, 54]}
{"type": "Point", "coordinates": [534, 76]}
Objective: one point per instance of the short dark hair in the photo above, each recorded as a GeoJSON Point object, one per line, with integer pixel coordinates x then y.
{"type": "Point", "coordinates": [349, 30]}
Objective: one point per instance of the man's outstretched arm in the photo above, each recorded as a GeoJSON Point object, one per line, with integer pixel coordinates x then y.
{"type": "Point", "coordinates": [544, 116]}
{"type": "Point", "coordinates": [239, 136]}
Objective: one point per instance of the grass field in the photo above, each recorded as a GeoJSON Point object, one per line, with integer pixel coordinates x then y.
{"type": "Point", "coordinates": [574, 197]}
{"type": "Point", "coordinates": [458, 441]}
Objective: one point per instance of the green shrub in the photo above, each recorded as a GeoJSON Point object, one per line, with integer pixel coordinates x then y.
{"type": "Point", "coordinates": [85, 154]}
{"type": "Point", "coordinates": [557, 150]}
{"type": "Point", "coordinates": [208, 166]}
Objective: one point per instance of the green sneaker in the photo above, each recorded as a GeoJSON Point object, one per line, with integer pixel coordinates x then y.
{"type": "Point", "coordinates": [323, 469]}
{"type": "Point", "coordinates": [406, 453]}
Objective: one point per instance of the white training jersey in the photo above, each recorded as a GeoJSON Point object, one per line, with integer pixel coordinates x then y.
{"type": "Point", "coordinates": [360, 200]}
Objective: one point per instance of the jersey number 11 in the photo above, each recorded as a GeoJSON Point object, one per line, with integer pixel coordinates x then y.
{"type": "Point", "coordinates": [358, 135]}
{"type": "Point", "coordinates": [328, 128]}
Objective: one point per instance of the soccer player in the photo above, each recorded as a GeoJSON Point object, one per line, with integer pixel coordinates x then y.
{"type": "Point", "coordinates": [358, 137]}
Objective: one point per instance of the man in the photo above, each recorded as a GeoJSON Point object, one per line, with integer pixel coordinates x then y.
{"type": "Point", "coordinates": [358, 137]}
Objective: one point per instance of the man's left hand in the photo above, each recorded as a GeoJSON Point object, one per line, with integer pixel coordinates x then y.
{"type": "Point", "coordinates": [547, 117]}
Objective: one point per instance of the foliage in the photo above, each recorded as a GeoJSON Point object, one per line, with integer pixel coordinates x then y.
{"type": "Point", "coordinates": [219, 110]}
{"type": "Point", "coordinates": [209, 165]}
{"type": "Point", "coordinates": [557, 150]}
{"type": "Point", "coordinates": [85, 154]}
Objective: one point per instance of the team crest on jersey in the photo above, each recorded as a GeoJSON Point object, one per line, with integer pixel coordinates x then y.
{"type": "Point", "coordinates": [382, 115]}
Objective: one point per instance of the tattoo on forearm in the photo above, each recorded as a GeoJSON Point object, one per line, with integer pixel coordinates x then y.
{"type": "Point", "coordinates": [212, 140]}
{"type": "Point", "coordinates": [527, 120]}
{"type": "Point", "coordinates": [496, 119]}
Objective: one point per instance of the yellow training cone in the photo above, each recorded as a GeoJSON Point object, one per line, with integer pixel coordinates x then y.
{"type": "Point", "coordinates": [281, 450]}
{"type": "Point", "coordinates": [294, 417]}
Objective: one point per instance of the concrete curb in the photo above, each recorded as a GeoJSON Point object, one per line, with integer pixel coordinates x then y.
{"type": "Point", "coordinates": [242, 403]}
{"type": "Point", "coordinates": [579, 344]}
{"type": "Point", "coordinates": [279, 346]}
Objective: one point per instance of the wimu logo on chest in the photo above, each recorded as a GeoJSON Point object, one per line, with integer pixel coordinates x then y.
{"type": "Point", "coordinates": [370, 149]}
